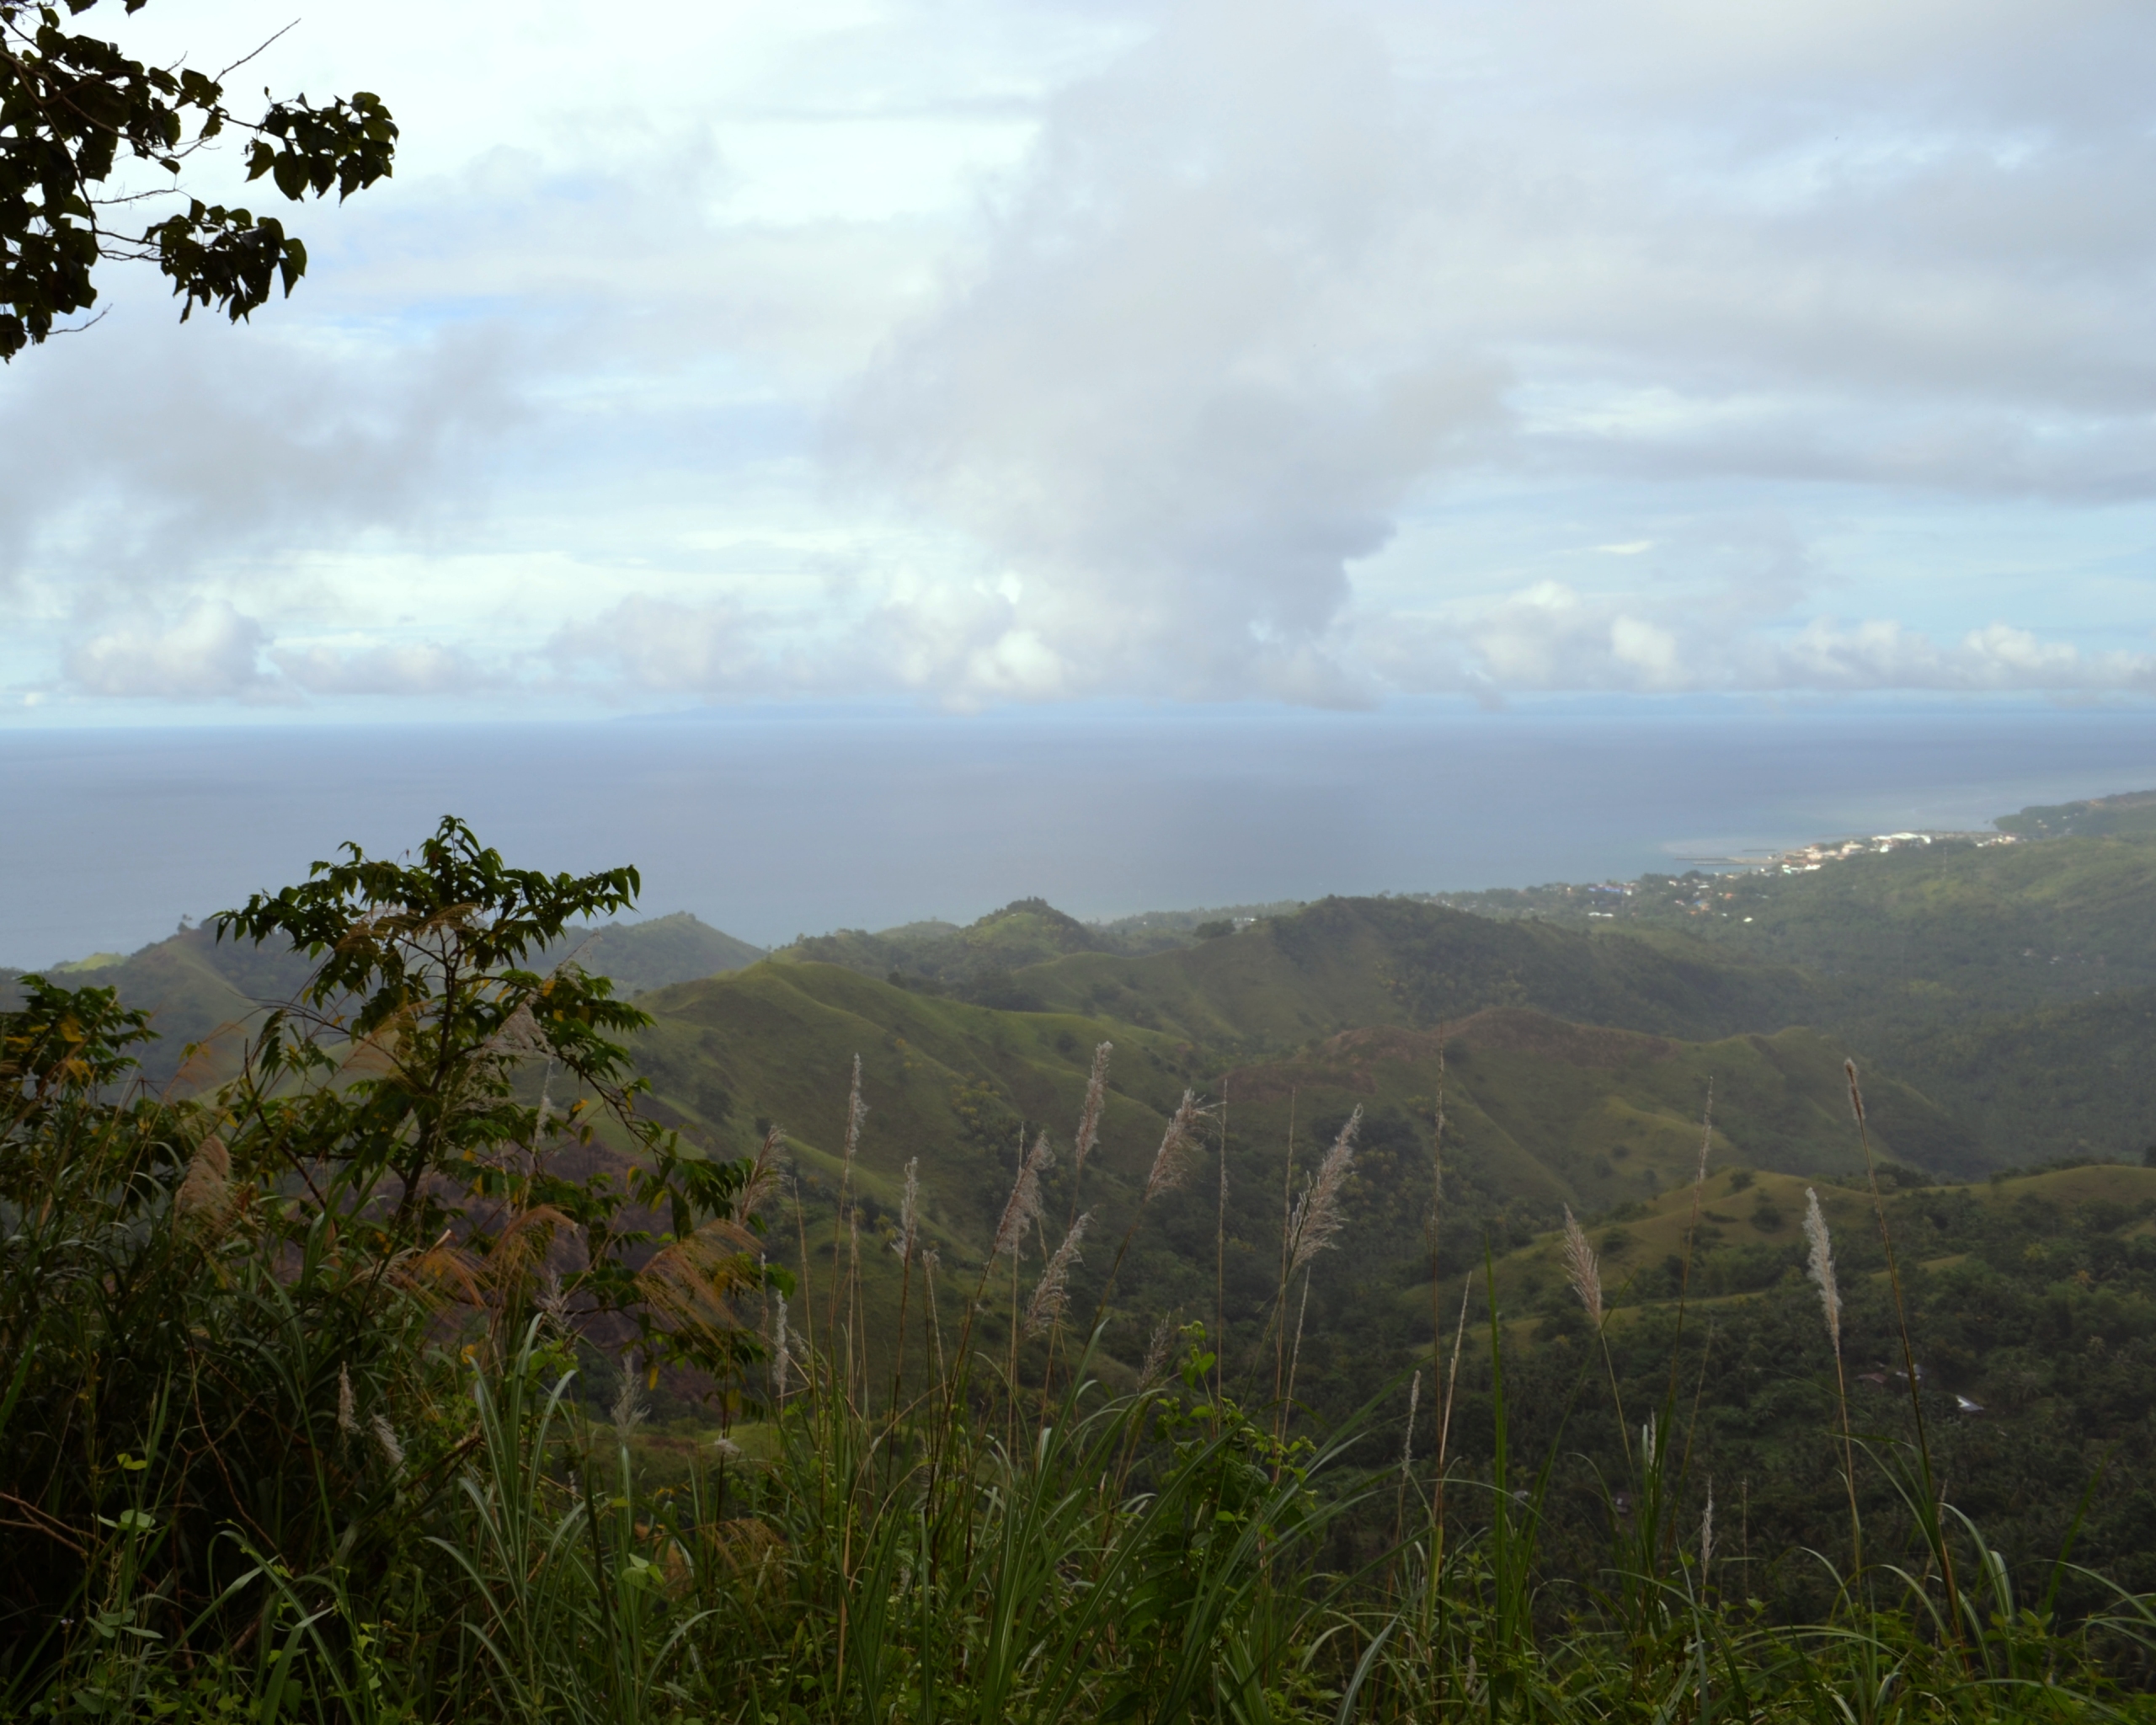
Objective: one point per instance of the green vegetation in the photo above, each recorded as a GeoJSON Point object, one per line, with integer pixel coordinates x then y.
{"type": "Point", "coordinates": [277, 1445]}
{"type": "Point", "coordinates": [2011, 983]}
{"type": "Point", "coordinates": [462, 1340]}
{"type": "Point", "coordinates": [2133, 814]}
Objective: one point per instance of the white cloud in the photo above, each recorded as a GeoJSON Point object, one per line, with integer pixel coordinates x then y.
{"type": "Point", "coordinates": [1173, 394]}
{"type": "Point", "coordinates": [655, 646]}
{"type": "Point", "coordinates": [210, 653]}
{"type": "Point", "coordinates": [1550, 637]}
{"type": "Point", "coordinates": [389, 668]}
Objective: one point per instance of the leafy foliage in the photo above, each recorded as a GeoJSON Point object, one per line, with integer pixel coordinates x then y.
{"type": "Point", "coordinates": [74, 108]}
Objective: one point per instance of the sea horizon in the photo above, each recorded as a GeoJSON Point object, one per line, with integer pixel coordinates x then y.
{"type": "Point", "coordinates": [772, 822]}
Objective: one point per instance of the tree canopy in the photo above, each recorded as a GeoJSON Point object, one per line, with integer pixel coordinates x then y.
{"type": "Point", "coordinates": [75, 109]}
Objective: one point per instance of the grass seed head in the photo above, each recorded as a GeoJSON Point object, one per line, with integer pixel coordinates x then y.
{"type": "Point", "coordinates": [1023, 1207]}
{"type": "Point", "coordinates": [1156, 1352]}
{"type": "Point", "coordinates": [1316, 1218]}
{"type": "Point", "coordinates": [857, 1111]}
{"type": "Point", "coordinates": [1821, 1266]}
{"type": "Point", "coordinates": [763, 1175]}
{"type": "Point", "coordinates": [1582, 1270]}
{"type": "Point", "coordinates": [1088, 1116]}
{"type": "Point", "coordinates": [205, 1192]}
{"type": "Point", "coordinates": [1052, 1294]}
{"type": "Point", "coordinates": [908, 1236]}
{"type": "Point", "coordinates": [1173, 1160]}
{"type": "Point", "coordinates": [628, 1404]}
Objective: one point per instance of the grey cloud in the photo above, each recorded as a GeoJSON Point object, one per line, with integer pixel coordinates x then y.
{"type": "Point", "coordinates": [1278, 273]}
{"type": "Point", "coordinates": [139, 452]}
{"type": "Point", "coordinates": [1276, 277]}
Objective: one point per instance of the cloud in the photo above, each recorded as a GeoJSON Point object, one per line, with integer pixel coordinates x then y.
{"type": "Point", "coordinates": [1167, 399]}
{"type": "Point", "coordinates": [209, 653]}
{"type": "Point", "coordinates": [1552, 636]}
{"type": "Point", "coordinates": [413, 668]}
{"type": "Point", "coordinates": [212, 652]}
{"type": "Point", "coordinates": [647, 645]}
{"type": "Point", "coordinates": [1289, 272]}
{"type": "Point", "coordinates": [139, 455]}
{"type": "Point", "coordinates": [1311, 350]}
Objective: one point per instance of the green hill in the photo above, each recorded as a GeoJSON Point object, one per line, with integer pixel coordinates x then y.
{"type": "Point", "coordinates": [2011, 983]}
{"type": "Point", "coordinates": [941, 954]}
{"type": "Point", "coordinates": [976, 962]}
{"type": "Point", "coordinates": [654, 953]}
{"type": "Point", "coordinates": [2131, 814]}
{"type": "Point", "coordinates": [1541, 1113]}
{"type": "Point", "coordinates": [1343, 964]}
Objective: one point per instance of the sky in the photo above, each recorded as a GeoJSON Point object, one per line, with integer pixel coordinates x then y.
{"type": "Point", "coordinates": [1317, 352]}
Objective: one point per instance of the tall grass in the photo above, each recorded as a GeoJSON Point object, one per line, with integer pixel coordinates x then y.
{"type": "Point", "coordinates": [256, 1471]}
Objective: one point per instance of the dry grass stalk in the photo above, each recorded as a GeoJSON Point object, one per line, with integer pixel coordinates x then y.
{"type": "Point", "coordinates": [1312, 1225]}
{"type": "Point", "coordinates": [205, 1196]}
{"type": "Point", "coordinates": [1023, 1209]}
{"type": "Point", "coordinates": [1220, 1262]}
{"type": "Point", "coordinates": [1088, 1116]}
{"type": "Point", "coordinates": [688, 1282]}
{"type": "Point", "coordinates": [782, 1355]}
{"type": "Point", "coordinates": [762, 1180]}
{"type": "Point", "coordinates": [1821, 1267]}
{"type": "Point", "coordinates": [1156, 1352]}
{"type": "Point", "coordinates": [1316, 1219]}
{"type": "Point", "coordinates": [856, 1111]}
{"type": "Point", "coordinates": [1582, 1270]}
{"type": "Point", "coordinates": [1707, 1531]}
{"type": "Point", "coordinates": [1052, 1293]}
{"type": "Point", "coordinates": [909, 1235]}
{"type": "Point", "coordinates": [1177, 1154]}
{"type": "Point", "coordinates": [348, 1420]}
{"type": "Point", "coordinates": [628, 1409]}
{"type": "Point", "coordinates": [1407, 1439]}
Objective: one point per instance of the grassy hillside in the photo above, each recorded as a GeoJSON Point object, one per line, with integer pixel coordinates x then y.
{"type": "Point", "coordinates": [1539, 1114]}
{"type": "Point", "coordinates": [976, 961]}
{"type": "Point", "coordinates": [1343, 964]}
{"type": "Point", "coordinates": [2010, 982]}
{"type": "Point", "coordinates": [655, 952]}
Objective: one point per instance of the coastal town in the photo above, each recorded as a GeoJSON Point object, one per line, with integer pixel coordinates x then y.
{"type": "Point", "coordinates": [1709, 885]}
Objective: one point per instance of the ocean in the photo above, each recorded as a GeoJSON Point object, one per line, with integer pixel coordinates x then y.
{"type": "Point", "coordinates": [774, 821]}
